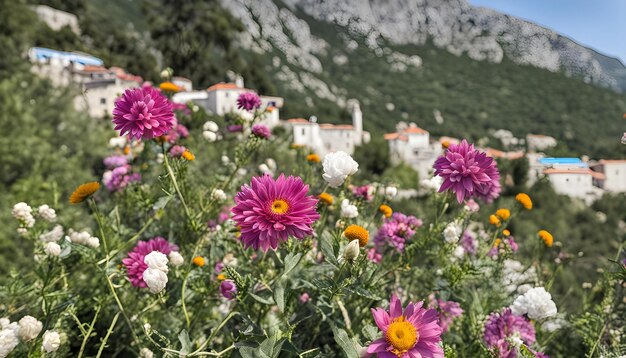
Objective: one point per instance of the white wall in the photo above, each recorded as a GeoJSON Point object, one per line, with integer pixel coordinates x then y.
{"type": "Point", "coordinates": [576, 185]}
{"type": "Point", "coordinates": [615, 176]}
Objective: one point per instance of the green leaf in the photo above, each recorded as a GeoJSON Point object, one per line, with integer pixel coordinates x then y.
{"type": "Point", "coordinates": [279, 294]}
{"type": "Point", "coordinates": [291, 261]}
{"type": "Point", "coordinates": [344, 341]}
{"type": "Point", "coordinates": [370, 332]}
{"type": "Point", "coordinates": [161, 202]}
{"type": "Point", "coordinates": [270, 348]}
{"type": "Point", "coordinates": [327, 249]}
{"type": "Point", "coordinates": [185, 342]}
{"type": "Point", "coordinates": [267, 301]}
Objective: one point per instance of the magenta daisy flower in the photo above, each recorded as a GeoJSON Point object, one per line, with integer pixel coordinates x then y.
{"type": "Point", "coordinates": [269, 211]}
{"type": "Point", "coordinates": [408, 334]}
{"type": "Point", "coordinates": [143, 113]}
{"type": "Point", "coordinates": [261, 131]}
{"type": "Point", "coordinates": [248, 101]}
{"type": "Point", "coordinates": [499, 327]}
{"type": "Point", "coordinates": [468, 173]}
{"type": "Point", "coordinates": [134, 262]}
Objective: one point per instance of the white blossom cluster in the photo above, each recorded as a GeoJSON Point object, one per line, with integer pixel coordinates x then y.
{"type": "Point", "coordinates": [536, 303]}
{"type": "Point", "coordinates": [155, 275]}
{"type": "Point", "coordinates": [24, 214]}
{"type": "Point", "coordinates": [348, 211]}
{"type": "Point", "coordinates": [337, 167]}
{"type": "Point", "coordinates": [25, 330]}
{"type": "Point", "coordinates": [84, 238]}
{"type": "Point", "coordinates": [452, 232]}
{"type": "Point", "coordinates": [209, 131]}
{"type": "Point", "coordinates": [516, 277]}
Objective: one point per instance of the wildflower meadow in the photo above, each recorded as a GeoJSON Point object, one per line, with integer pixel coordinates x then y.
{"type": "Point", "coordinates": [218, 238]}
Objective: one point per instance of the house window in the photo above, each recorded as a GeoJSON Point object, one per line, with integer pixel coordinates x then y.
{"type": "Point", "coordinates": [103, 100]}
{"type": "Point", "coordinates": [303, 131]}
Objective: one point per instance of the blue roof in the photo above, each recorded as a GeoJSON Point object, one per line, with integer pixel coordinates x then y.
{"type": "Point", "coordinates": [83, 59]}
{"type": "Point", "coordinates": [562, 161]}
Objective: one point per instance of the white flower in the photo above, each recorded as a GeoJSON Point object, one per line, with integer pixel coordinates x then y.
{"type": "Point", "coordinates": [4, 322]}
{"type": "Point", "coordinates": [210, 126]}
{"type": "Point", "coordinates": [218, 195]}
{"type": "Point", "coordinates": [515, 276]}
{"type": "Point", "coordinates": [51, 341]}
{"type": "Point", "coordinates": [159, 159]}
{"type": "Point", "coordinates": [350, 252]}
{"type": "Point", "coordinates": [52, 249]}
{"type": "Point", "coordinates": [209, 136]}
{"type": "Point", "coordinates": [165, 74]}
{"type": "Point", "coordinates": [230, 260]}
{"type": "Point", "coordinates": [348, 210]}
{"type": "Point", "coordinates": [458, 252]}
{"type": "Point", "coordinates": [337, 167]}
{"type": "Point", "coordinates": [195, 108]}
{"type": "Point", "coordinates": [22, 231]}
{"type": "Point", "coordinates": [29, 328]}
{"type": "Point", "coordinates": [145, 353]}
{"type": "Point", "coordinates": [53, 235]}
{"type": "Point", "coordinates": [432, 184]}
{"type": "Point", "coordinates": [117, 142]}
{"type": "Point", "coordinates": [24, 214]}
{"type": "Point", "coordinates": [516, 340]}
{"type": "Point", "coordinates": [225, 159]}
{"type": "Point", "coordinates": [553, 324]}
{"type": "Point", "coordinates": [8, 342]}
{"type": "Point", "coordinates": [536, 303]}
{"type": "Point", "coordinates": [93, 242]}
{"type": "Point", "coordinates": [452, 232]}
{"type": "Point", "coordinates": [242, 171]}
{"type": "Point", "coordinates": [156, 260]}
{"type": "Point", "coordinates": [391, 191]}
{"type": "Point", "coordinates": [155, 279]}
{"type": "Point", "coordinates": [47, 213]}
{"type": "Point", "coordinates": [271, 163]}
{"type": "Point", "coordinates": [176, 258]}
{"type": "Point", "coordinates": [263, 168]}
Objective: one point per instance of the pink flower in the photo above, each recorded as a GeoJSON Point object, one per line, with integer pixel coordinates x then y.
{"type": "Point", "coordinates": [468, 173]}
{"type": "Point", "coordinates": [374, 255]}
{"type": "Point", "coordinates": [248, 101]}
{"type": "Point", "coordinates": [395, 231]}
{"type": "Point", "coordinates": [115, 161]}
{"type": "Point", "coordinates": [228, 289]}
{"type": "Point", "coordinates": [119, 178]}
{"type": "Point", "coordinates": [269, 211]}
{"type": "Point", "coordinates": [177, 151]}
{"type": "Point", "coordinates": [500, 326]}
{"type": "Point", "coordinates": [364, 192]}
{"type": "Point", "coordinates": [261, 131]}
{"type": "Point", "coordinates": [408, 334]}
{"type": "Point", "coordinates": [143, 113]}
{"type": "Point", "coordinates": [304, 298]}
{"type": "Point", "coordinates": [134, 261]}
{"type": "Point", "coordinates": [448, 311]}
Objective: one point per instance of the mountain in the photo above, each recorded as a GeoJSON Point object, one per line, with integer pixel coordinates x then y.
{"type": "Point", "coordinates": [453, 68]}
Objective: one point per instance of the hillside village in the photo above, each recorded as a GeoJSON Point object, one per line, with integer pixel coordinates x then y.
{"type": "Point", "coordinates": [100, 86]}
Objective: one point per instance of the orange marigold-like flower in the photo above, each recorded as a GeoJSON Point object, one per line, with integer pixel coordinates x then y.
{"type": "Point", "coordinates": [503, 214]}
{"type": "Point", "coordinates": [385, 210]}
{"type": "Point", "coordinates": [313, 158]}
{"type": "Point", "coordinates": [445, 144]}
{"type": "Point", "coordinates": [221, 277]}
{"type": "Point", "coordinates": [547, 238]}
{"type": "Point", "coordinates": [326, 198]}
{"type": "Point", "coordinates": [188, 155]}
{"type": "Point", "coordinates": [525, 200]}
{"type": "Point", "coordinates": [506, 232]}
{"type": "Point", "coordinates": [169, 87]}
{"type": "Point", "coordinates": [83, 192]}
{"type": "Point", "coordinates": [493, 220]}
{"type": "Point", "coordinates": [356, 232]}
{"type": "Point", "coordinates": [198, 261]}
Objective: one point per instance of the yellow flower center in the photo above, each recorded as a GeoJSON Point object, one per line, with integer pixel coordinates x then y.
{"type": "Point", "coordinates": [279, 206]}
{"type": "Point", "coordinates": [356, 232]}
{"type": "Point", "coordinates": [402, 335]}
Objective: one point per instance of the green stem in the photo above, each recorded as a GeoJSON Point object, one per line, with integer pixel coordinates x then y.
{"type": "Point", "coordinates": [177, 188]}
{"type": "Point", "coordinates": [106, 338]}
{"type": "Point", "coordinates": [88, 333]}
{"type": "Point", "coordinates": [220, 326]}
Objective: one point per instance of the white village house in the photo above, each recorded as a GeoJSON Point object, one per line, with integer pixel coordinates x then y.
{"type": "Point", "coordinates": [614, 172]}
{"type": "Point", "coordinates": [327, 138]}
{"type": "Point", "coordinates": [57, 19]}
{"type": "Point", "coordinates": [221, 99]}
{"type": "Point", "coordinates": [412, 145]}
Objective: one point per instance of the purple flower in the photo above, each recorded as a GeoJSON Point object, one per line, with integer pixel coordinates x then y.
{"type": "Point", "coordinates": [143, 113]}
{"type": "Point", "coordinates": [448, 310]}
{"type": "Point", "coordinates": [501, 326]}
{"type": "Point", "coordinates": [115, 161]}
{"type": "Point", "coordinates": [261, 131]}
{"type": "Point", "coordinates": [134, 261]}
{"type": "Point", "coordinates": [468, 173]}
{"type": "Point", "coordinates": [119, 178]}
{"type": "Point", "coordinates": [248, 101]}
{"type": "Point", "coordinates": [177, 150]}
{"type": "Point", "coordinates": [412, 332]}
{"type": "Point", "coordinates": [374, 255]}
{"type": "Point", "coordinates": [270, 210]}
{"type": "Point", "coordinates": [228, 289]}
{"type": "Point", "coordinates": [234, 128]}
{"type": "Point", "coordinates": [219, 266]}
{"type": "Point", "coordinates": [469, 242]}
{"type": "Point", "coordinates": [364, 192]}
{"type": "Point", "coordinates": [395, 231]}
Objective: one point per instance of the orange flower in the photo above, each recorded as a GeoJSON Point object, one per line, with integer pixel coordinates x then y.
{"type": "Point", "coordinates": [493, 220]}
{"type": "Point", "coordinates": [188, 155]}
{"type": "Point", "coordinates": [546, 237]}
{"type": "Point", "coordinates": [326, 198]}
{"type": "Point", "coordinates": [385, 210]}
{"type": "Point", "coordinates": [445, 144]}
{"type": "Point", "coordinates": [127, 150]}
{"type": "Point", "coordinates": [83, 192]}
{"type": "Point", "coordinates": [525, 200]}
{"type": "Point", "coordinates": [356, 232]}
{"type": "Point", "coordinates": [198, 261]}
{"type": "Point", "coordinates": [221, 277]}
{"type": "Point", "coordinates": [313, 158]}
{"type": "Point", "coordinates": [169, 87]}
{"type": "Point", "coordinates": [506, 232]}
{"type": "Point", "coordinates": [497, 242]}
{"type": "Point", "coordinates": [503, 214]}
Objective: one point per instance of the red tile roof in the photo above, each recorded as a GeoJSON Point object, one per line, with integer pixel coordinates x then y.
{"type": "Point", "coordinates": [297, 120]}
{"type": "Point", "coordinates": [336, 126]}
{"type": "Point", "coordinates": [225, 86]}
{"type": "Point", "coordinates": [414, 130]}
{"type": "Point", "coordinates": [612, 161]}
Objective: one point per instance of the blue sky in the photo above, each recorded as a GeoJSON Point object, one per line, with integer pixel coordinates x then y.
{"type": "Point", "coordinates": [599, 24]}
